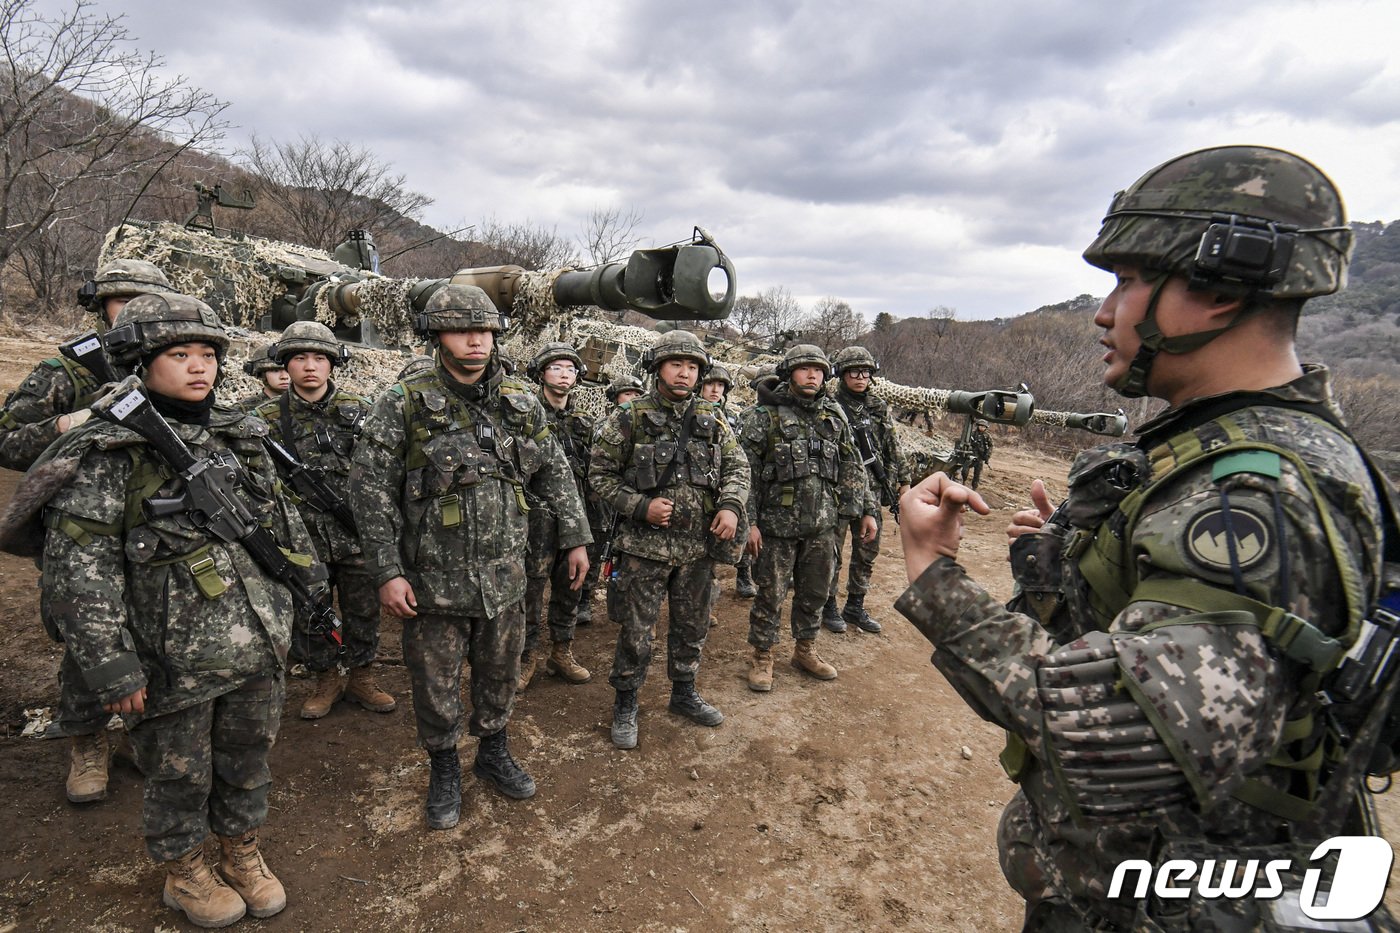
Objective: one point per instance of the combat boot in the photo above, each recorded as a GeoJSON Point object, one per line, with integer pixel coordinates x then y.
{"type": "Point", "coordinates": [761, 670]}
{"type": "Point", "coordinates": [806, 659]}
{"type": "Point", "coordinates": [495, 766]}
{"type": "Point", "coordinates": [444, 788]}
{"type": "Point", "coordinates": [193, 888]}
{"type": "Point", "coordinates": [688, 703]}
{"type": "Point", "coordinates": [362, 689]}
{"type": "Point", "coordinates": [624, 724]}
{"type": "Point", "coordinates": [561, 663]}
{"type": "Point", "coordinates": [243, 868]}
{"type": "Point", "coordinates": [854, 613]}
{"type": "Point", "coordinates": [743, 582]}
{"type": "Point", "coordinates": [529, 661]}
{"type": "Point", "coordinates": [330, 686]}
{"type": "Point", "coordinates": [87, 768]}
{"type": "Point", "coordinates": [831, 616]}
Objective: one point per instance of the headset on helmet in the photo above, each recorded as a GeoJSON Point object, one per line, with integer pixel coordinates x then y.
{"type": "Point", "coordinates": [122, 278]}
{"type": "Point", "coordinates": [264, 362]}
{"type": "Point", "coordinates": [149, 323]}
{"type": "Point", "coordinates": [459, 308]}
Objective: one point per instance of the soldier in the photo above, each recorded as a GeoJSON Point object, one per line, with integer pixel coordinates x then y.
{"type": "Point", "coordinates": [872, 427]}
{"type": "Point", "coordinates": [182, 633]}
{"type": "Point", "coordinates": [420, 363]}
{"type": "Point", "coordinates": [808, 480]}
{"type": "Point", "coordinates": [619, 392]}
{"type": "Point", "coordinates": [763, 383]}
{"type": "Point", "coordinates": [439, 485]}
{"type": "Point", "coordinates": [1150, 599]}
{"type": "Point", "coordinates": [668, 464]}
{"type": "Point", "coordinates": [268, 370]}
{"type": "Point", "coordinates": [52, 399]}
{"type": "Point", "coordinates": [979, 454]}
{"type": "Point", "coordinates": [557, 368]}
{"type": "Point", "coordinates": [622, 390]}
{"type": "Point", "coordinates": [318, 423]}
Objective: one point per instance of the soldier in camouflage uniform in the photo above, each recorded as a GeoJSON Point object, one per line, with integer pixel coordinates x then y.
{"type": "Point", "coordinates": [668, 464]}
{"type": "Point", "coordinates": [318, 423]}
{"type": "Point", "coordinates": [268, 370]}
{"type": "Point", "coordinates": [981, 454]}
{"type": "Point", "coordinates": [714, 387]}
{"type": "Point", "coordinates": [183, 634]}
{"type": "Point", "coordinates": [873, 429]}
{"type": "Point", "coordinates": [439, 483]}
{"type": "Point", "coordinates": [620, 391]}
{"type": "Point", "coordinates": [763, 383]}
{"type": "Point", "coordinates": [557, 368]}
{"type": "Point", "coordinates": [1150, 692]}
{"type": "Point", "coordinates": [808, 481]}
{"type": "Point", "coordinates": [51, 400]}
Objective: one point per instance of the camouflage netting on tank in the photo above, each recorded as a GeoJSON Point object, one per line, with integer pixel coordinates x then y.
{"type": "Point", "coordinates": [237, 277]}
{"type": "Point", "coordinates": [383, 301]}
{"type": "Point", "coordinates": [535, 310]}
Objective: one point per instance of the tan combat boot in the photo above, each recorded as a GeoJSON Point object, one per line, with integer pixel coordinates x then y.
{"type": "Point", "coordinates": [87, 768]}
{"type": "Point", "coordinates": [192, 888]}
{"type": "Point", "coordinates": [761, 670]}
{"type": "Point", "coordinates": [330, 686]}
{"type": "Point", "coordinates": [528, 662]}
{"type": "Point", "coordinates": [245, 871]}
{"type": "Point", "coordinates": [561, 663]}
{"type": "Point", "coordinates": [362, 689]}
{"type": "Point", "coordinates": [806, 659]}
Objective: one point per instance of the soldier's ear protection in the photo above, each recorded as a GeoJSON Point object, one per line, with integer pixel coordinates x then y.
{"type": "Point", "coordinates": [248, 367]}
{"type": "Point", "coordinates": [87, 295]}
{"type": "Point", "coordinates": [1242, 254]}
{"type": "Point", "coordinates": [123, 345]}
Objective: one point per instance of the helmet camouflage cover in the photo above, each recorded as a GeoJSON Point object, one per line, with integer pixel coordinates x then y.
{"type": "Point", "coordinates": [153, 322]}
{"type": "Point", "coordinates": [548, 354]}
{"type": "Point", "coordinates": [309, 337]}
{"type": "Point", "coordinates": [127, 278]}
{"type": "Point", "coordinates": [803, 354]}
{"type": "Point", "coordinates": [264, 362]}
{"type": "Point", "coordinates": [623, 384]}
{"type": "Point", "coordinates": [418, 364]}
{"type": "Point", "coordinates": [718, 372]}
{"type": "Point", "coordinates": [1238, 219]}
{"type": "Point", "coordinates": [461, 307]}
{"type": "Point", "coordinates": [677, 344]}
{"type": "Point", "coordinates": [854, 358]}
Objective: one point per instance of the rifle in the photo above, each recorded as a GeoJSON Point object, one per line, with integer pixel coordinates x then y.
{"type": "Point", "coordinates": [865, 444]}
{"type": "Point", "coordinates": [211, 500]}
{"type": "Point", "coordinates": [310, 485]}
{"type": "Point", "coordinates": [88, 352]}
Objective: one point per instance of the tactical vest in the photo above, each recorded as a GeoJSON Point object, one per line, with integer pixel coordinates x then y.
{"type": "Point", "coordinates": [453, 444]}
{"type": "Point", "coordinates": [802, 446]}
{"type": "Point", "coordinates": [575, 432]}
{"type": "Point", "coordinates": [320, 439]}
{"type": "Point", "coordinates": [654, 464]}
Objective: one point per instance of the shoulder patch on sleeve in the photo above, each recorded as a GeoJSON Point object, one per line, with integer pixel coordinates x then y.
{"type": "Point", "coordinates": [1217, 542]}
{"type": "Point", "coordinates": [1259, 462]}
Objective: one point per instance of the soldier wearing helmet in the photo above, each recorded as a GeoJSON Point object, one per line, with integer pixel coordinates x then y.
{"type": "Point", "coordinates": [318, 423]}
{"type": "Point", "coordinates": [763, 383]}
{"type": "Point", "coordinates": [1245, 501]}
{"type": "Point", "coordinates": [670, 468]}
{"type": "Point", "coordinates": [443, 475]}
{"type": "Point", "coordinates": [809, 480]}
{"type": "Point", "coordinates": [269, 371]}
{"type": "Point", "coordinates": [979, 454]}
{"type": "Point", "coordinates": [182, 633]}
{"type": "Point", "coordinates": [624, 389]}
{"type": "Point", "coordinates": [557, 368]}
{"type": "Point", "coordinates": [872, 427]}
{"type": "Point", "coordinates": [49, 401]}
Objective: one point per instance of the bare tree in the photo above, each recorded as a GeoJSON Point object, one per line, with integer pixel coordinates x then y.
{"type": "Point", "coordinates": [770, 313]}
{"type": "Point", "coordinates": [325, 189]}
{"type": "Point", "coordinates": [610, 233]}
{"type": "Point", "coordinates": [87, 122]}
{"type": "Point", "coordinates": [833, 324]}
{"type": "Point", "coordinates": [522, 244]}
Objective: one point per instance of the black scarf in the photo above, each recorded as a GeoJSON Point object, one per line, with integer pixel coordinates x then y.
{"type": "Point", "coordinates": [180, 410]}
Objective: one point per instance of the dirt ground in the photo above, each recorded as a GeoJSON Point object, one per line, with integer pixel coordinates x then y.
{"type": "Point", "coordinates": [869, 802]}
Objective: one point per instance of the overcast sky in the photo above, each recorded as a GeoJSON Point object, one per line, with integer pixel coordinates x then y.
{"type": "Point", "coordinates": [900, 156]}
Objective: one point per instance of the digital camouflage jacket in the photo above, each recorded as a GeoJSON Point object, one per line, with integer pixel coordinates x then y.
{"type": "Point", "coordinates": [807, 473]}
{"type": "Point", "coordinates": [439, 485]}
{"type": "Point", "coordinates": [322, 436]}
{"type": "Point", "coordinates": [631, 459]}
{"type": "Point", "coordinates": [29, 422]}
{"type": "Point", "coordinates": [870, 414]}
{"type": "Point", "coordinates": [1169, 715]}
{"type": "Point", "coordinates": [156, 602]}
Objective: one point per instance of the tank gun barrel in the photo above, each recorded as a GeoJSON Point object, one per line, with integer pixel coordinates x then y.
{"type": "Point", "coordinates": [1100, 422]}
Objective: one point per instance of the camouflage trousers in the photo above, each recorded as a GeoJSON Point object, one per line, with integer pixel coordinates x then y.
{"type": "Point", "coordinates": [434, 647]}
{"type": "Point", "coordinates": [973, 469]}
{"type": "Point", "coordinates": [358, 600]}
{"type": "Point", "coordinates": [641, 585]}
{"type": "Point", "coordinates": [862, 557]}
{"type": "Point", "coordinates": [80, 712]}
{"type": "Point", "coordinates": [807, 564]}
{"type": "Point", "coordinates": [563, 604]}
{"type": "Point", "coordinates": [206, 766]}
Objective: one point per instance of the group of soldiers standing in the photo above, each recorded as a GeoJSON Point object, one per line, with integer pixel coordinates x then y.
{"type": "Point", "coordinates": [452, 502]}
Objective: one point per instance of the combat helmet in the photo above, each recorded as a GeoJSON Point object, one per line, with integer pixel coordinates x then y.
{"type": "Point", "coordinates": [766, 375]}
{"type": "Point", "coordinates": [264, 362]}
{"type": "Point", "coordinates": [854, 358]}
{"type": "Point", "coordinates": [457, 308]}
{"type": "Point", "coordinates": [1248, 222]}
{"type": "Point", "coordinates": [623, 384]}
{"type": "Point", "coordinates": [122, 278]}
{"type": "Point", "coordinates": [718, 372]}
{"type": "Point", "coordinates": [419, 364]}
{"type": "Point", "coordinates": [675, 344]}
{"type": "Point", "coordinates": [310, 337]}
{"type": "Point", "coordinates": [802, 354]}
{"type": "Point", "coordinates": [150, 323]}
{"type": "Point", "coordinates": [551, 352]}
